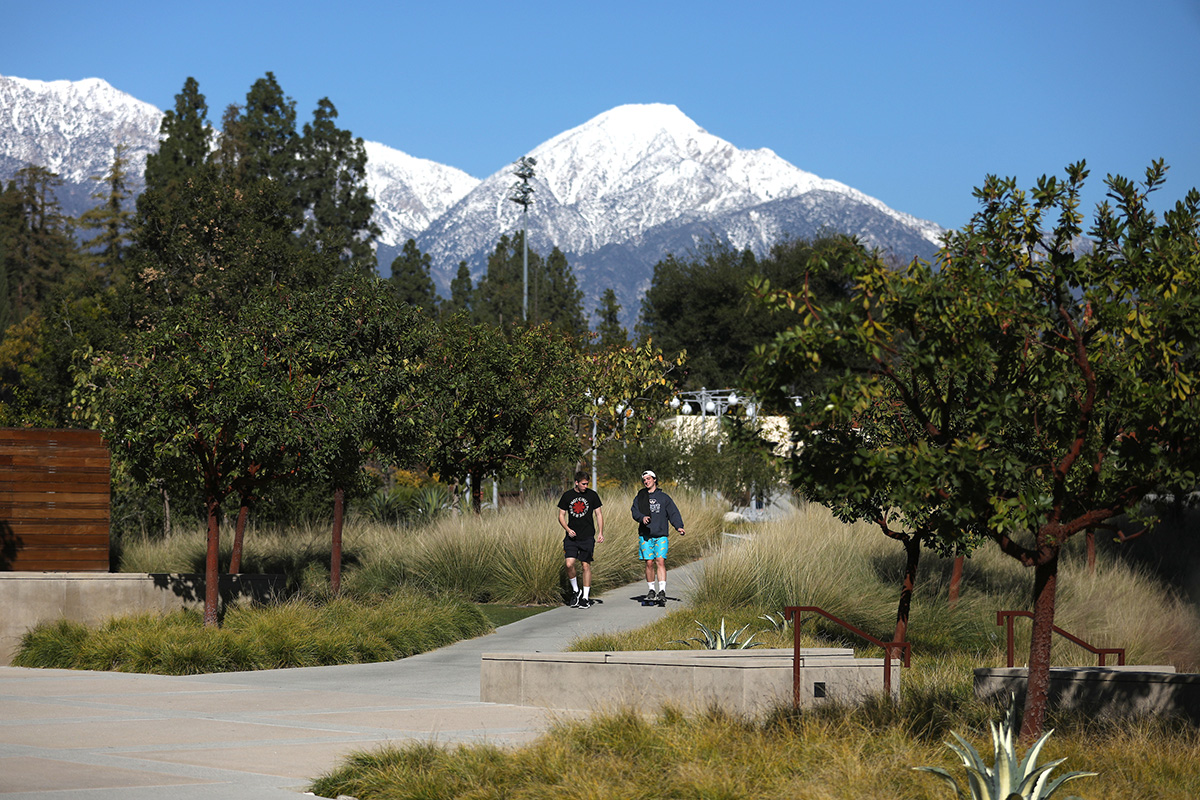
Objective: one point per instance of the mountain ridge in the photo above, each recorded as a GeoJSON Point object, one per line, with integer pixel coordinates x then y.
{"type": "Point", "coordinates": [615, 193]}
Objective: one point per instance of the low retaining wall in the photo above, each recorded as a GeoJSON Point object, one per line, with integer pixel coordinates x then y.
{"type": "Point", "coordinates": [748, 682]}
{"type": "Point", "coordinates": [30, 598]}
{"type": "Point", "coordinates": [1104, 692]}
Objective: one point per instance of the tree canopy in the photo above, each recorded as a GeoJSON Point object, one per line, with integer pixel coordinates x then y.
{"type": "Point", "coordinates": [702, 304]}
{"type": "Point", "coordinates": [1027, 386]}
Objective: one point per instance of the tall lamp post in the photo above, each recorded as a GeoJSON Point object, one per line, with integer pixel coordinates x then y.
{"type": "Point", "coordinates": [522, 194]}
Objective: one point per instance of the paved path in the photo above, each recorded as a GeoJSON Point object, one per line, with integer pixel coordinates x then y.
{"type": "Point", "coordinates": [73, 735]}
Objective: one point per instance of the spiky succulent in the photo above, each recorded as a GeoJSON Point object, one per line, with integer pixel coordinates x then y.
{"type": "Point", "coordinates": [1010, 776]}
{"type": "Point", "coordinates": [717, 640]}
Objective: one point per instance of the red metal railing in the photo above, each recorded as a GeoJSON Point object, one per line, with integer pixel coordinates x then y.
{"type": "Point", "coordinates": [793, 613]}
{"type": "Point", "coordinates": [1006, 618]}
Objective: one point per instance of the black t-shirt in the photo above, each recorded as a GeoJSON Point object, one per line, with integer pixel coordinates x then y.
{"type": "Point", "coordinates": [579, 507]}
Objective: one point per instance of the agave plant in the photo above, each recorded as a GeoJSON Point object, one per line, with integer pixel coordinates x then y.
{"type": "Point", "coordinates": [1011, 777]}
{"type": "Point", "coordinates": [717, 640]}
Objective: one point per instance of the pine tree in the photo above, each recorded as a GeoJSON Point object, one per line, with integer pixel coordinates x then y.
{"type": "Point", "coordinates": [267, 131]}
{"type": "Point", "coordinates": [462, 293]}
{"type": "Point", "coordinates": [332, 187]}
{"type": "Point", "coordinates": [610, 333]}
{"type": "Point", "coordinates": [411, 279]}
{"type": "Point", "coordinates": [227, 157]}
{"type": "Point", "coordinates": [41, 240]}
{"type": "Point", "coordinates": [498, 297]}
{"type": "Point", "coordinates": [560, 300]}
{"type": "Point", "coordinates": [104, 261]}
{"type": "Point", "coordinates": [186, 139]}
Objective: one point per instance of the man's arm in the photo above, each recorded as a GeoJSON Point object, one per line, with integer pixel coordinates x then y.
{"type": "Point", "coordinates": [599, 514]}
{"type": "Point", "coordinates": [562, 520]}
{"type": "Point", "coordinates": [674, 517]}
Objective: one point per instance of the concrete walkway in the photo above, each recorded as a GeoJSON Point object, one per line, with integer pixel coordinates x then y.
{"type": "Point", "coordinates": [73, 735]}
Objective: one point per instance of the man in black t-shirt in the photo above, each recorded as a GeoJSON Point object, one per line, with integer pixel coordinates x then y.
{"type": "Point", "coordinates": [580, 516]}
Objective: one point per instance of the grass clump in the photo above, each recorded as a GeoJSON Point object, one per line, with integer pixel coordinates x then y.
{"type": "Point", "coordinates": [295, 633]}
{"type": "Point", "coordinates": [827, 754]}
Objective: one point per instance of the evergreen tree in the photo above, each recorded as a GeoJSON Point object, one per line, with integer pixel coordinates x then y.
{"type": "Point", "coordinates": [560, 300]}
{"type": "Point", "coordinates": [609, 331]}
{"type": "Point", "coordinates": [267, 135]}
{"type": "Point", "coordinates": [104, 261]}
{"type": "Point", "coordinates": [227, 157]}
{"type": "Point", "coordinates": [497, 299]}
{"type": "Point", "coordinates": [411, 279]}
{"type": "Point", "coordinates": [6, 308]}
{"type": "Point", "coordinates": [333, 190]}
{"type": "Point", "coordinates": [186, 139]}
{"type": "Point", "coordinates": [41, 248]}
{"type": "Point", "coordinates": [462, 293]}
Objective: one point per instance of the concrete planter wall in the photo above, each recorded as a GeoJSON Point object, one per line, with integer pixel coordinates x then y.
{"type": "Point", "coordinates": [1103, 692]}
{"type": "Point", "coordinates": [30, 598]}
{"type": "Point", "coordinates": [749, 682]}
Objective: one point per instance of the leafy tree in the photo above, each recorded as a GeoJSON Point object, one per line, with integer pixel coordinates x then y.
{"type": "Point", "coordinates": [1025, 390]}
{"type": "Point", "coordinates": [626, 390]}
{"type": "Point", "coordinates": [105, 259]}
{"type": "Point", "coordinates": [186, 140]}
{"type": "Point", "coordinates": [333, 190]}
{"type": "Point", "coordinates": [702, 304]}
{"type": "Point", "coordinates": [221, 240]}
{"type": "Point", "coordinates": [411, 279]}
{"type": "Point", "coordinates": [498, 402]}
{"type": "Point", "coordinates": [609, 331]}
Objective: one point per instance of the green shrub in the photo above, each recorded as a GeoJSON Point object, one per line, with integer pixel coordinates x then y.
{"type": "Point", "coordinates": [295, 633]}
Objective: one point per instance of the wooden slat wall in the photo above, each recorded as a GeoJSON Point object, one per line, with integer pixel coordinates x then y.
{"type": "Point", "coordinates": [54, 500]}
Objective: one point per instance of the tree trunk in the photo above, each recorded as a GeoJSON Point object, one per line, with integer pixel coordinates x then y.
{"type": "Point", "coordinates": [235, 559]}
{"type": "Point", "coordinates": [1045, 582]}
{"type": "Point", "coordinates": [166, 514]}
{"type": "Point", "coordinates": [912, 557]}
{"type": "Point", "coordinates": [956, 573]}
{"type": "Point", "coordinates": [335, 558]}
{"type": "Point", "coordinates": [211, 573]}
{"type": "Point", "coordinates": [476, 492]}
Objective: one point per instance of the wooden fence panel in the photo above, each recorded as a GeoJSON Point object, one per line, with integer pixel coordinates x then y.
{"type": "Point", "coordinates": [54, 500]}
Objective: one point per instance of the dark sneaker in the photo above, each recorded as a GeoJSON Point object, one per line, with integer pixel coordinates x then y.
{"type": "Point", "coordinates": [576, 599]}
{"type": "Point", "coordinates": [651, 596]}
{"type": "Point", "coordinates": [584, 603]}
{"type": "Point", "coordinates": [662, 597]}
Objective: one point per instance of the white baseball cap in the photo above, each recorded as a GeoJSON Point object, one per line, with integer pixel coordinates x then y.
{"type": "Point", "coordinates": [649, 473]}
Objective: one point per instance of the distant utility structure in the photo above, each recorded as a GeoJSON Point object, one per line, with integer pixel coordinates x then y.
{"type": "Point", "coordinates": [521, 193]}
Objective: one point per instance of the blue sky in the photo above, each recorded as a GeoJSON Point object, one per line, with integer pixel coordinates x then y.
{"type": "Point", "coordinates": [911, 103]}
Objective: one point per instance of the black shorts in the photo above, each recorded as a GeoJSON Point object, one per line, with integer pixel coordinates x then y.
{"type": "Point", "coordinates": [579, 549]}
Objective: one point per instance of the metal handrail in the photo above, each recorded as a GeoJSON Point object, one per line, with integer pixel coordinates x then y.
{"type": "Point", "coordinates": [793, 613]}
{"type": "Point", "coordinates": [1006, 618]}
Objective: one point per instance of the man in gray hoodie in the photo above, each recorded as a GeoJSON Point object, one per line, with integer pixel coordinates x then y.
{"type": "Point", "coordinates": [655, 512]}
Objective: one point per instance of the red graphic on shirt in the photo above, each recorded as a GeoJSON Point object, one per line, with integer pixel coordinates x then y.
{"type": "Point", "coordinates": [579, 507]}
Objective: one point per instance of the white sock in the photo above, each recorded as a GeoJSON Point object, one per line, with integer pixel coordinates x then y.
{"type": "Point", "coordinates": [586, 591]}
{"type": "Point", "coordinates": [574, 584]}
{"type": "Point", "coordinates": [662, 586]}
{"type": "Point", "coordinates": [651, 585]}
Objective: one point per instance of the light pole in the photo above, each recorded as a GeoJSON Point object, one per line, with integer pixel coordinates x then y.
{"type": "Point", "coordinates": [522, 194]}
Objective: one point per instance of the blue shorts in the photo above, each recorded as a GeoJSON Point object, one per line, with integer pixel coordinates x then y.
{"type": "Point", "coordinates": [651, 548]}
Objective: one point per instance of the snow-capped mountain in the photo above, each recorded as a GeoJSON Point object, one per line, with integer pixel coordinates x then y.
{"type": "Point", "coordinates": [410, 193]}
{"type": "Point", "coordinates": [71, 128]}
{"type": "Point", "coordinates": [619, 192]}
{"type": "Point", "coordinates": [616, 194]}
